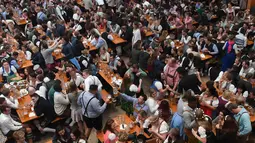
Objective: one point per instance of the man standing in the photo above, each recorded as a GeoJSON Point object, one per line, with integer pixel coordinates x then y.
{"type": "Point", "coordinates": [91, 109]}
{"type": "Point", "coordinates": [243, 119]}
{"type": "Point", "coordinates": [188, 81]}
{"type": "Point", "coordinates": [189, 118]}
{"type": "Point", "coordinates": [91, 80]}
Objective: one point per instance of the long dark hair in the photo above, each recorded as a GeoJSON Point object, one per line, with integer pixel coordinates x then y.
{"type": "Point", "coordinates": [164, 110]}
{"type": "Point", "coordinates": [76, 132]}
{"type": "Point", "coordinates": [108, 126]}
{"type": "Point", "coordinates": [122, 63]}
{"type": "Point", "coordinates": [230, 125]}
{"type": "Point", "coordinates": [126, 83]}
{"type": "Point", "coordinates": [66, 135]}
{"type": "Point", "coordinates": [211, 88]}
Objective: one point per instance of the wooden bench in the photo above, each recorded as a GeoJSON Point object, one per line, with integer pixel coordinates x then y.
{"type": "Point", "coordinates": [49, 141]}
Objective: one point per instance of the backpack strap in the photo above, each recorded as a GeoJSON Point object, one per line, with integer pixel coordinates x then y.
{"type": "Point", "coordinates": [241, 116]}
{"type": "Point", "coordinates": [86, 107]}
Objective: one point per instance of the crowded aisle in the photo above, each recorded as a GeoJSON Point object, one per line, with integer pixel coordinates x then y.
{"type": "Point", "coordinates": [120, 71]}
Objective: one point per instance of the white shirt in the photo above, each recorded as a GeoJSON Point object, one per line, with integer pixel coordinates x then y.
{"type": "Point", "coordinates": [28, 55]}
{"type": "Point", "coordinates": [4, 73]}
{"type": "Point", "coordinates": [77, 27]}
{"type": "Point", "coordinates": [11, 102]}
{"type": "Point", "coordinates": [243, 38]}
{"type": "Point", "coordinates": [60, 102]}
{"type": "Point", "coordinates": [243, 71]}
{"type": "Point", "coordinates": [79, 80]}
{"type": "Point", "coordinates": [90, 80]}
{"type": "Point", "coordinates": [60, 12]}
{"type": "Point", "coordinates": [136, 36]}
{"type": "Point", "coordinates": [100, 2]}
{"type": "Point", "coordinates": [185, 40]}
{"type": "Point", "coordinates": [230, 87]}
{"type": "Point", "coordinates": [164, 128]}
{"type": "Point", "coordinates": [42, 91]}
{"type": "Point", "coordinates": [76, 16]}
{"type": "Point", "coordinates": [8, 124]}
{"type": "Point", "coordinates": [145, 124]}
{"type": "Point", "coordinates": [152, 104]}
{"type": "Point", "coordinates": [146, 3]}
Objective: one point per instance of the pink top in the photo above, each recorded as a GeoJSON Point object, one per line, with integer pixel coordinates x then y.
{"type": "Point", "coordinates": [178, 23]}
{"type": "Point", "coordinates": [171, 75]}
{"type": "Point", "coordinates": [188, 22]}
{"type": "Point", "coordinates": [106, 139]}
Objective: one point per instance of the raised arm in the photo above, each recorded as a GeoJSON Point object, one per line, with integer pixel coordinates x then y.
{"type": "Point", "coordinates": [128, 98]}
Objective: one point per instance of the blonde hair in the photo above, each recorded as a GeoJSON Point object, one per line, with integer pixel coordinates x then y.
{"type": "Point", "coordinates": [123, 136]}
{"type": "Point", "coordinates": [35, 49]}
{"type": "Point", "coordinates": [227, 95]}
{"type": "Point", "coordinates": [18, 134]}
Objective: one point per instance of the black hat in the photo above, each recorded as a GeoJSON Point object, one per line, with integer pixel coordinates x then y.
{"type": "Point", "coordinates": [93, 87]}
{"type": "Point", "coordinates": [181, 70]}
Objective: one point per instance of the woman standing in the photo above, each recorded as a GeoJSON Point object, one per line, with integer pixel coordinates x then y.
{"type": "Point", "coordinates": [203, 132]}
{"type": "Point", "coordinates": [208, 103]}
{"type": "Point", "coordinates": [226, 130]}
{"type": "Point", "coordinates": [230, 54]}
{"type": "Point", "coordinates": [76, 112]}
{"type": "Point", "coordinates": [188, 21]}
{"type": "Point", "coordinates": [164, 111]}
{"type": "Point", "coordinates": [47, 53]}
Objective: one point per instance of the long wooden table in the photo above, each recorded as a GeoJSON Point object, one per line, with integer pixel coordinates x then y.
{"type": "Point", "coordinates": [91, 47]}
{"type": "Point", "coordinates": [107, 74]}
{"type": "Point", "coordinates": [25, 101]}
{"type": "Point", "coordinates": [25, 109]}
{"type": "Point", "coordinates": [117, 40]}
{"type": "Point", "coordinates": [127, 121]}
{"type": "Point", "coordinates": [205, 57]}
{"type": "Point", "coordinates": [148, 32]}
{"type": "Point", "coordinates": [58, 54]}
{"type": "Point", "coordinates": [26, 64]}
{"type": "Point", "coordinates": [20, 21]}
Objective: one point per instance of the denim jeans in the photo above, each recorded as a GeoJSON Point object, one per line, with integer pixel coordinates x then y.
{"type": "Point", "coordinates": [76, 63]}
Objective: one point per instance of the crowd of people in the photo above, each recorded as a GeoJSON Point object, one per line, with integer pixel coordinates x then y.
{"type": "Point", "coordinates": [198, 54]}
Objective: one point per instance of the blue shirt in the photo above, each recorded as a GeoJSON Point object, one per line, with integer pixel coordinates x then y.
{"type": "Point", "coordinates": [214, 48]}
{"type": "Point", "coordinates": [98, 43]}
{"type": "Point", "coordinates": [136, 105]}
{"type": "Point", "coordinates": [94, 108]}
{"type": "Point", "coordinates": [4, 15]}
{"type": "Point", "coordinates": [244, 122]}
{"type": "Point", "coordinates": [41, 15]}
{"type": "Point", "coordinates": [177, 122]}
{"type": "Point", "coordinates": [15, 64]}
